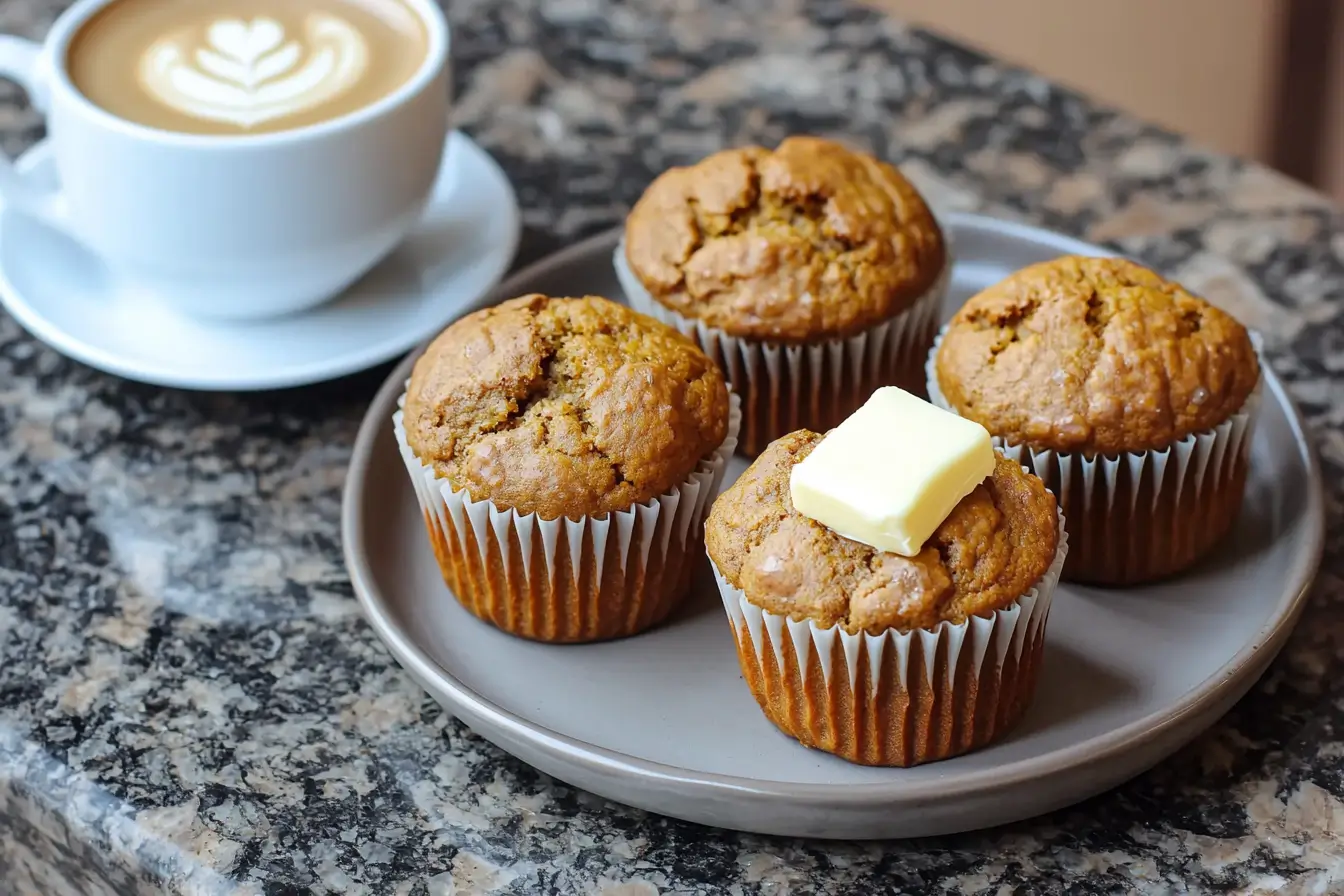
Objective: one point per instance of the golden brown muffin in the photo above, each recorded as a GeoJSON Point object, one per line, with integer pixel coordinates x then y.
{"type": "Point", "coordinates": [870, 655]}
{"type": "Point", "coordinates": [808, 242]}
{"type": "Point", "coordinates": [564, 407]}
{"type": "Point", "coordinates": [993, 548]}
{"type": "Point", "coordinates": [543, 408]}
{"type": "Point", "coordinates": [1077, 361]}
{"type": "Point", "coordinates": [1094, 356]}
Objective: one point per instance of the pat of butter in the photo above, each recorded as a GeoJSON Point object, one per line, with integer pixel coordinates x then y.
{"type": "Point", "coordinates": [891, 473]}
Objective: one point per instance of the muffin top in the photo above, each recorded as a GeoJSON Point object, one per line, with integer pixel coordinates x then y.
{"type": "Point", "coordinates": [992, 549]}
{"type": "Point", "coordinates": [1094, 356]}
{"type": "Point", "coordinates": [811, 241]}
{"type": "Point", "coordinates": [564, 407]}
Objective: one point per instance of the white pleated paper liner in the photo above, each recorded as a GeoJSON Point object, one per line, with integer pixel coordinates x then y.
{"type": "Point", "coordinates": [569, 580]}
{"type": "Point", "coordinates": [1141, 515]}
{"type": "Point", "coordinates": [895, 698]}
{"type": "Point", "coordinates": [814, 386]}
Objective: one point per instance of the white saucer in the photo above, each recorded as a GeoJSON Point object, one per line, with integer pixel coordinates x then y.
{"type": "Point", "coordinates": [63, 296]}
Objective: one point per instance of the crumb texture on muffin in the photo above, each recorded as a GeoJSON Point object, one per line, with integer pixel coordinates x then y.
{"type": "Point", "coordinates": [564, 406]}
{"type": "Point", "coordinates": [809, 241]}
{"type": "Point", "coordinates": [992, 549]}
{"type": "Point", "coordinates": [1094, 356]}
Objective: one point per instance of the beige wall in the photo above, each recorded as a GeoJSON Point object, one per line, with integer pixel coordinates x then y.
{"type": "Point", "coordinates": [1207, 68]}
{"type": "Point", "coordinates": [1330, 164]}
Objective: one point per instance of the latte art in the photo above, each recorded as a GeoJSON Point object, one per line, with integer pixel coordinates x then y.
{"type": "Point", "coordinates": [251, 72]}
{"type": "Point", "coordinates": [245, 67]}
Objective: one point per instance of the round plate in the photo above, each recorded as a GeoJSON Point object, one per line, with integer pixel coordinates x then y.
{"type": "Point", "coordinates": [663, 721]}
{"type": "Point", "coordinates": [456, 254]}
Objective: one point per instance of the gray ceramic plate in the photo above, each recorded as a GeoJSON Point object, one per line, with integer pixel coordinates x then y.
{"type": "Point", "coordinates": [664, 721]}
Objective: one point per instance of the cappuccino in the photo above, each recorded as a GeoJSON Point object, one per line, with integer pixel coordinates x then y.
{"type": "Point", "coordinates": [240, 67]}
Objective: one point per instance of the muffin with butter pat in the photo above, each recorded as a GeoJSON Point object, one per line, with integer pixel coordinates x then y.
{"type": "Point", "coordinates": [888, 583]}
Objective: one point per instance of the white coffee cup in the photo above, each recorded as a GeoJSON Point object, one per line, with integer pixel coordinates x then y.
{"type": "Point", "coordinates": [239, 226]}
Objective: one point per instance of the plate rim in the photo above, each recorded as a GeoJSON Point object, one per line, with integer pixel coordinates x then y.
{"type": "Point", "coordinates": [1234, 677]}
{"type": "Point", "coordinates": [39, 325]}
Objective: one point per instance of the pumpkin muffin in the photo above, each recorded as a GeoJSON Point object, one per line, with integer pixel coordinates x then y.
{"type": "Point", "coordinates": [853, 631]}
{"type": "Point", "coordinates": [1133, 399]}
{"type": "Point", "coordinates": [565, 450]}
{"type": "Point", "coordinates": [812, 273]}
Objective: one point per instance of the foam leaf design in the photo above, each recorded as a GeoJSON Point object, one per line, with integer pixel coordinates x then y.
{"type": "Point", "coordinates": [252, 72]}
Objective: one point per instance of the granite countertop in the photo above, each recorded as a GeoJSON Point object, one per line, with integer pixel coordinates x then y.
{"type": "Point", "coordinates": [190, 701]}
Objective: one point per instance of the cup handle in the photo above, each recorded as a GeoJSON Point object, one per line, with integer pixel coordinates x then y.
{"type": "Point", "coordinates": [20, 62]}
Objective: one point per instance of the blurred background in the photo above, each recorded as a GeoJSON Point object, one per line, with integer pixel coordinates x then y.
{"type": "Point", "coordinates": [1263, 79]}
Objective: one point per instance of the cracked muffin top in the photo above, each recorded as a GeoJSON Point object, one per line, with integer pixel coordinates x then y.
{"type": "Point", "coordinates": [808, 242]}
{"type": "Point", "coordinates": [1094, 356]}
{"type": "Point", "coordinates": [564, 407]}
{"type": "Point", "coordinates": [991, 550]}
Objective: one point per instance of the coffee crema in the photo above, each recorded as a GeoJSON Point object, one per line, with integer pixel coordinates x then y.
{"type": "Point", "coordinates": [240, 67]}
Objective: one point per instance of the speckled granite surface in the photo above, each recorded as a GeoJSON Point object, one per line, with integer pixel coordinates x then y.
{"type": "Point", "coordinates": [190, 702]}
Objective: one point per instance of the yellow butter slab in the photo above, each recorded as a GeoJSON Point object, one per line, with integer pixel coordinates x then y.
{"type": "Point", "coordinates": [891, 473]}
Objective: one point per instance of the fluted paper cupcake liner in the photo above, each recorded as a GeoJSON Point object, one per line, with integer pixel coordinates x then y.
{"type": "Point", "coordinates": [896, 698]}
{"type": "Point", "coordinates": [569, 580]}
{"type": "Point", "coordinates": [813, 386]}
{"type": "Point", "coordinates": [1141, 515]}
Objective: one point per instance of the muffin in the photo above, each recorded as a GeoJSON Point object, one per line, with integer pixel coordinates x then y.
{"type": "Point", "coordinates": [812, 274]}
{"type": "Point", "coordinates": [1134, 400]}
{"type": "Point", "coordinates": [878, 658]}
{"type": "Point", "coordinates": [564, 451]}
